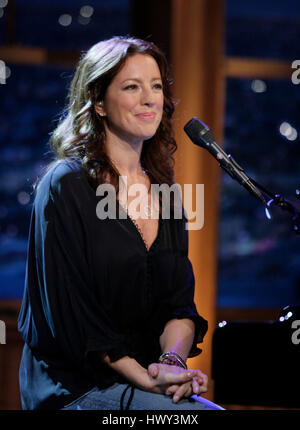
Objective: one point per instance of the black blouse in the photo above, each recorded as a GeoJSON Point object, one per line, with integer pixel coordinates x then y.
{"type": "Point", "coordinates": [92, 286]}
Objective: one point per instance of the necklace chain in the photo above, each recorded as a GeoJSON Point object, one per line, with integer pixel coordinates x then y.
{"type": "Point", "coordinates": [140, 231]}
{"type": "Point", "coordinates": [147, 212]}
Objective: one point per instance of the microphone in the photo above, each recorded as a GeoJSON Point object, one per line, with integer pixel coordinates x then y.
{"type": "Point", "coordinates": [201, 135]}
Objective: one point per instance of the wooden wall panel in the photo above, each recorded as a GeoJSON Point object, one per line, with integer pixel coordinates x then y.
{"type": "Point", "coordinates": [10, 356]}
{"type": "Point", "coordinates": [197, 69]}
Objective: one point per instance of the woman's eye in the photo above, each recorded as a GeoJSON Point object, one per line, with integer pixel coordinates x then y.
{"type": "Point", "coordinates": [131, 87]}
{"type": "Point", "coordinates": [158, 86]}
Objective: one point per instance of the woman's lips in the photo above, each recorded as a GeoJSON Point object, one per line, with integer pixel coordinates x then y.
{"type": "Point", "coordinates": [146, 115]}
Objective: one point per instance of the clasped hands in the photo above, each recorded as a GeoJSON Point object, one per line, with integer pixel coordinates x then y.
{"type": "Point", "coordinates": [176, 381]}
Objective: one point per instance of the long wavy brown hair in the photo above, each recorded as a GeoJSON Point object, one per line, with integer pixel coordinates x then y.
{"type": "Point", "coordinates": [80, 132]}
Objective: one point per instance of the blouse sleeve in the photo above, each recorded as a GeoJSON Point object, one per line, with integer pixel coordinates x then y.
{"type": "Point", "coordinates": [70, 307]}
{"type": "Point", "coordinates": [181, 303]}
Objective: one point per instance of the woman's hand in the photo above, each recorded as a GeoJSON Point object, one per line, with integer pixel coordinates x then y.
{"type": "Point", "coordinates": [156, 379]}
{"type": "Point", "coordinates": [160, 378]}
{"type": "Point", "coordinates": [197, 384]}
{"type": "Point", "coordinates": [164, 376]}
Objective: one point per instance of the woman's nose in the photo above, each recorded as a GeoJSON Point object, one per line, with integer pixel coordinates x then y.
{"type": "Point", "coordinates": [148, 97]}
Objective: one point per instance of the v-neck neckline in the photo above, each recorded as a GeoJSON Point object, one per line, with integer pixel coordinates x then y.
{"type": "Point", "coordinates": [138, 230]}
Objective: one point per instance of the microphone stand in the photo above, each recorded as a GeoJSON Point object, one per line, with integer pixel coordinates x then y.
{"type": "Point", "coordinates": [257, 190]}
{"type": "Point", "coordinates": [282, 203]}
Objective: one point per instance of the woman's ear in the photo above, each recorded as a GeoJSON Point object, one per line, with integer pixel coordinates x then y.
{"type": "Point", "coordinates": [99, 109]}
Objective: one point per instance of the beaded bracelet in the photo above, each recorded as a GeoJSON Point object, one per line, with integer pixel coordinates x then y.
{"type": "Point", "coordinates": [173, 359]}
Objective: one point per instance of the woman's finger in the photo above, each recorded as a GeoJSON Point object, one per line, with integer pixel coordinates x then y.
{"type": "Point", "coordinates": [195, 385]}
{"type": "Point", "coordinates": [153, 370]}
{"type": "Point", "coordinates": [178, 378]}
{"type": "Point", "coordinates": [203, 386]}
{"type": "Point", "coordinates": [200, 376]}
{"type": "Point", "coordinates": [202, 380]}
{"type": "Point", "coordinates": [171, 389]}
{"type": "Point", "coordinates": [184, 390]}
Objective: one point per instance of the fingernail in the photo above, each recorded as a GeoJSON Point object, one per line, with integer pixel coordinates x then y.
{"type": "Point", "coordinates": [175, 399]}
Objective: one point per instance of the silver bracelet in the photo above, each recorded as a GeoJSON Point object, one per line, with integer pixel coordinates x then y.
{"type": "Point", "coordinates": [172, 358]}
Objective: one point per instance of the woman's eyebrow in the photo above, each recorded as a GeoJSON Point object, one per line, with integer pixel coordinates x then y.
{"type": "Point", "coordinates": [140, 80]}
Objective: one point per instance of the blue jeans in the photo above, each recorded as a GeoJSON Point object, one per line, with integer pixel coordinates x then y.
{"type": "Point", "coordinates": [125, 396]}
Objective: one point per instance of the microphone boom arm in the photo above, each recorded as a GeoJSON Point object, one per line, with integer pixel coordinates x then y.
{"type": "Point", "coordinates": [201, 135]}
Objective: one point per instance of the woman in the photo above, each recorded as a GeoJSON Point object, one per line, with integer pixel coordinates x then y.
{"type": "Point", "coordinates": [108, 317]}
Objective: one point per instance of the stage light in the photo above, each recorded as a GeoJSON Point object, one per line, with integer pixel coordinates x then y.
{"type": "Point", "coordinates": [285, 128]}
{"type": "Point", "coordinates": [222, 324]}
{"type": "Point", "coordinates": [288, 131]}
{"type": "Point", "coordinates": [292, 135]}
{"type": "Point", "coordinates": [65, 20]}
{"type": "Point", "coordinates": [23, 198]}
{"type": "Point", "coordinates": [86, 11]}
{"type": "Point", "coordinates": [3, 3]}
{"type": "Point", "coordinates": [258, 86]}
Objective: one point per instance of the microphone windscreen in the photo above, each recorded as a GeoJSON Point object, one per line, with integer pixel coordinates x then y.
{"type": "Point", "coordinates": [198, 132]}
